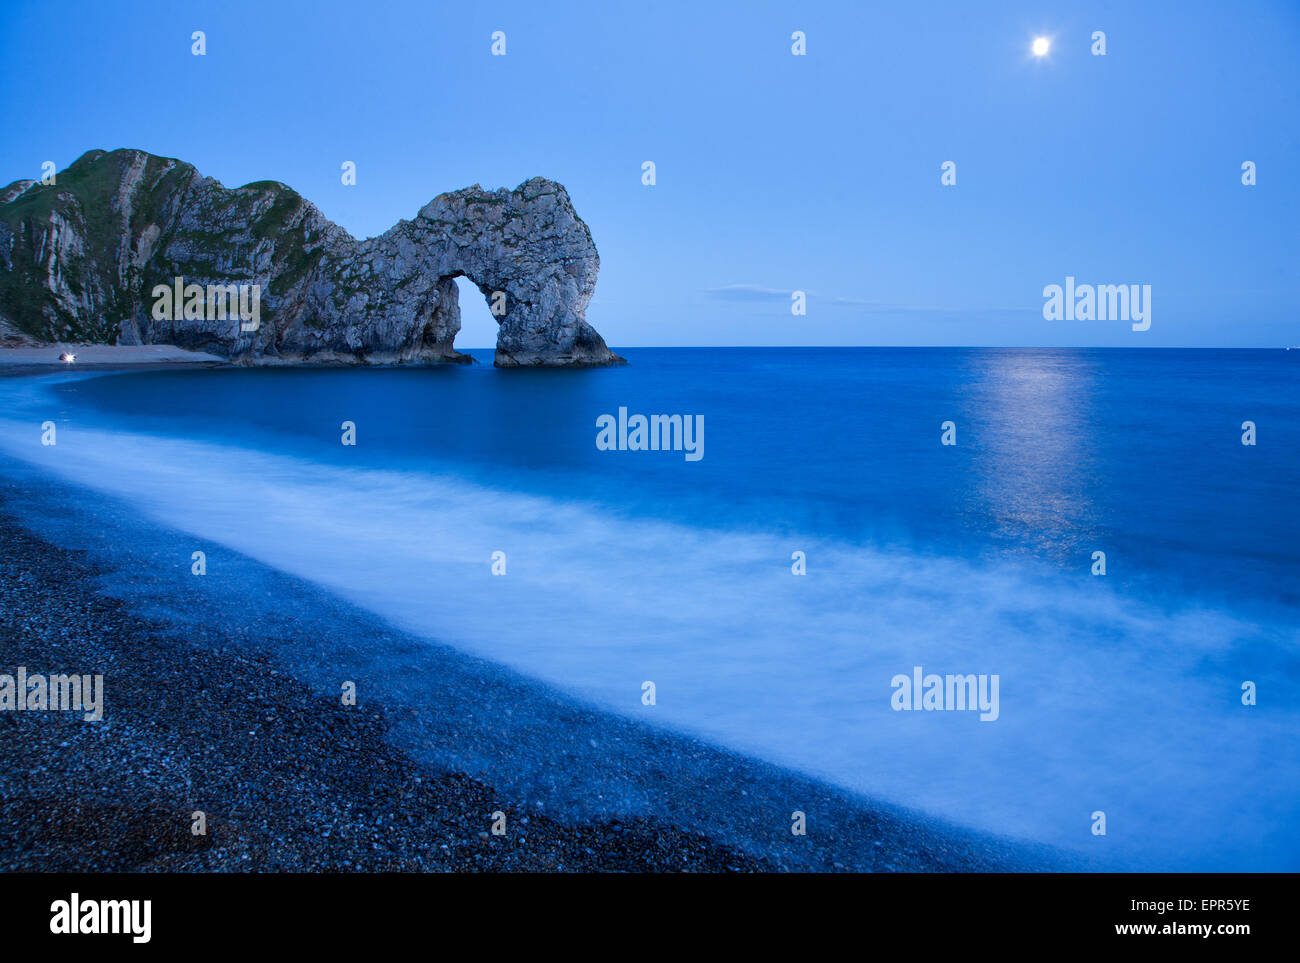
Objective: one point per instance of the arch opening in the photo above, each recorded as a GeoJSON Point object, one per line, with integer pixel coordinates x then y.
{"type": "Point", "coordinates": [478, 327]}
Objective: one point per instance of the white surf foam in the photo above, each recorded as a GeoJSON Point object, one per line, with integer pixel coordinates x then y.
{"type": "Point", "coordinates": [1105, 703]}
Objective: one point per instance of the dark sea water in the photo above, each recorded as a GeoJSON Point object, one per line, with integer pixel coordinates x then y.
{"type": "Point", "coordinates": [1119, 693]}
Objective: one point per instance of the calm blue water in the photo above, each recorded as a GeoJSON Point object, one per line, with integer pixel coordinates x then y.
{"type": "Point", "coordinates": [1118, 693]}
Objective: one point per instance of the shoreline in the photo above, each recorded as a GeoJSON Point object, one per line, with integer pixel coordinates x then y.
{"type": "Point", "coordinates": [238, 715]}
{"type": "Point", "coordinates": [29, 359]}
{"type": "Point", "coordinates": [32, 358]}
{"type": "Point", "coordinates": [289, 781]}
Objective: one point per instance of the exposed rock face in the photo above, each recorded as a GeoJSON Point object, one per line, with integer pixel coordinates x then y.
{"type": "Point", "coordinates": [80, 260]}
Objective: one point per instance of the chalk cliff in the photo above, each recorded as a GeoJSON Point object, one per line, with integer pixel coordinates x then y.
{"type": "Point", "coordinates": [80, 260]}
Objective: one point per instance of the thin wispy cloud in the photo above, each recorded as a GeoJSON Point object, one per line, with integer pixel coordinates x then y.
{"type": "Point", "coordinates": [756, 292]}
{"type": "Point", "coordinates": [747, 292]}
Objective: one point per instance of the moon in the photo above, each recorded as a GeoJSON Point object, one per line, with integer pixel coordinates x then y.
{"type": "Point", "coordinates": [1041, 46]}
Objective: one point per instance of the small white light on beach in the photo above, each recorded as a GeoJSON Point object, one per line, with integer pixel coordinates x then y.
{"type": "Point", "coordinates": [1041, 46]}
{"type": "Point", "coordinates": [68, 357]}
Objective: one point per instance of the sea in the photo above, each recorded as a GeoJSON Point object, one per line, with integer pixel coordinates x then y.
{"type": "Point", "coordinates": [1108, 540]}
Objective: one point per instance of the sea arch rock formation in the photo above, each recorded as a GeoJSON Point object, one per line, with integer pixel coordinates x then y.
{"type": "Point", "coordinates": [83, 258]}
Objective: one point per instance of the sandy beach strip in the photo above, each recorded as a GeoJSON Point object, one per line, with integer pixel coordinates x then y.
{"type": "Point", "coordinates": [28, 358]}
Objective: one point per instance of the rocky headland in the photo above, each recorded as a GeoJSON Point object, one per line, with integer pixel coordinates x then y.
{"type": "Point", "coordinates": [86, 259]}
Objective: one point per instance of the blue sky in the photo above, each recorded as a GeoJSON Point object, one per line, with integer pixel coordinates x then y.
{"type": "Point", "coordinates": [774, 173]}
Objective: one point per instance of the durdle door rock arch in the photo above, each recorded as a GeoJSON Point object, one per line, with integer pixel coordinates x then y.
{"type": "Point", "coordinates": [83, 258]}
